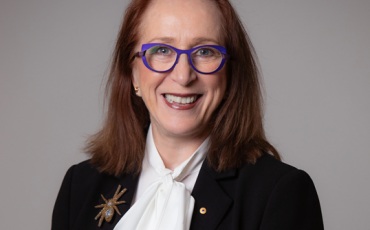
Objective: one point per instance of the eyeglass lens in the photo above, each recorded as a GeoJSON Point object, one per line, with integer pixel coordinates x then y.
{"type": "Point", "coordinates": [162, 58]}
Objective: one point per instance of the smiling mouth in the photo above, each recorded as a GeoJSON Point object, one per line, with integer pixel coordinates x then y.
{"type": "Point", "coordinates": [184, 100]}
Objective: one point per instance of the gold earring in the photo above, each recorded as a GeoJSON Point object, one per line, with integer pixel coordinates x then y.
{"type": "Point", "coordinates": [136, 89]}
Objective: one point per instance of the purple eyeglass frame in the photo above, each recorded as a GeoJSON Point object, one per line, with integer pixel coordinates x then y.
{"type": "Point", "coordinates": [145, 47]}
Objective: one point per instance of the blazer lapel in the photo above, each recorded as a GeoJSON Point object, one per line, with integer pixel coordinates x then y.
{"type": "Point", "coordinates": [211, 202]}
{"type": "Point", "coordinates": [127, 182]}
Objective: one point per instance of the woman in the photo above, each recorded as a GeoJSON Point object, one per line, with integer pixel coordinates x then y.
{"type": "Point", "coordinates": [183, 145]}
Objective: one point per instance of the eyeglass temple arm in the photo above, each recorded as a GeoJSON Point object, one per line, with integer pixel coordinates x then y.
{"type": "Point", "coordinates": [140, 54]}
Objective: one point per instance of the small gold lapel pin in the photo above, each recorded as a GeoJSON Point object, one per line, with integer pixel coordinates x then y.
{"type": "Point", "coordinates": [110, 205]}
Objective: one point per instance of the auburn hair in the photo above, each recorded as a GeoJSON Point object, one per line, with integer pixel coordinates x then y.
{"type": "Point", "coordinates": [237, 134]}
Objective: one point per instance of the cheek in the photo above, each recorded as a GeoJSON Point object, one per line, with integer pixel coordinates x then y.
{"type": "Point", "coordinates": [148, 82]}
{"type": "Point", "coordinates": [218, 85]}
{"type": "Point", "coordinates": [219, 90]}
{"type": "Point", "coordinates": [142, 75]}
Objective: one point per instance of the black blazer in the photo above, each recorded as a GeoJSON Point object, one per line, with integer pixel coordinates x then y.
{"type": "Point", "coordinates": [268, 195]}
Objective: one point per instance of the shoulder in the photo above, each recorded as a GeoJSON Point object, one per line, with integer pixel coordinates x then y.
{"type": "Point", "coordinates": [270, 178]}
{"type": "Point", "coordinates": [279, 193]}
{"type": "Point", "coordinates": [84, 176]}
{"type": "Point", "coordinates": [78, 179]}
{"type": "Point", "coordinates": [81, 180]}
{"type": "Point", "coordinates": [269, 168]}
{"type": "Point", "coordinates": [267, 161]}
{"type": "Point", "coordinates": [82, 171]}
{"type": "Point", "coordinates": [288, 194]}
{"type": "Point", "coordinates": [260, 180]}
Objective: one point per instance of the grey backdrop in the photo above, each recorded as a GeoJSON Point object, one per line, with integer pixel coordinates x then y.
{"type": "Point", "coordinates": [315, 61]}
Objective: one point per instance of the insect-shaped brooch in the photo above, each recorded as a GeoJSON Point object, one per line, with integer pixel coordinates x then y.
{"type": "Point", "coordinates": [110, 205]}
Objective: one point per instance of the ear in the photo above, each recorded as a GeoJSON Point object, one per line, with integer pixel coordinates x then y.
{"type": "Point", "coordinates": [135, 79]}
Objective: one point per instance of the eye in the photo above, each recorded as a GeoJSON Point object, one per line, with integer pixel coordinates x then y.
{"type": "Point", "coordinates": [160, 50]}
{"type": "Point", "coordinates": [204, 52]}
{"type": "Point", "coordinates": [164, 50]}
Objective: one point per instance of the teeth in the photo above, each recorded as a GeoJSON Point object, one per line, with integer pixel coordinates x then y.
{"type": "Point", "coordinates": [176, 99]}
{"type": "Point", "coordinates": [181, 100]}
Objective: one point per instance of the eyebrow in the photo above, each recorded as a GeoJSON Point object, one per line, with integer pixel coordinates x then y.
{"type": "Point", "coordinates": [163, 39]}
{"type": "Point", "coordinates": [197, 41]}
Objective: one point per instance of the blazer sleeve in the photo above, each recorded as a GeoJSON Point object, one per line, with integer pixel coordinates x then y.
{"type": "Point", "coordinates": [293, 204]}
{"type": "Point", "coordinates": [61, 213]}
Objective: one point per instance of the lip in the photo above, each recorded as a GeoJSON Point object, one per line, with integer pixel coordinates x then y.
{"type": "Point", "coordinates": [183, 94]}
{"type": "Point", "coordinates": [177, 106]}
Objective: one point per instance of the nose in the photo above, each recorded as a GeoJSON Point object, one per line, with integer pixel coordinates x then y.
{"type": "Point", "coordinates": [183, 73]}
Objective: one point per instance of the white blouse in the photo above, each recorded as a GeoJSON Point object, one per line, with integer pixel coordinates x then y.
{"type": "Point", "coordinates": [163, 198]}
{"type": "Point", "coordinates": [148, 174]}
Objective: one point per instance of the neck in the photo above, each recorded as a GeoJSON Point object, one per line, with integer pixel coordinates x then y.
{"type": "Point", "coordinates": [176, 149]}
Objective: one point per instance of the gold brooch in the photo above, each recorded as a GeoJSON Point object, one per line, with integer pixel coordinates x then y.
{"type": "Point", "coordinates": [108, 208]}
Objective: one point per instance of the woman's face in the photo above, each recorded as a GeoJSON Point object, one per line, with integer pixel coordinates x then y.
{"type": "Point", "coordinates": [183, 25]}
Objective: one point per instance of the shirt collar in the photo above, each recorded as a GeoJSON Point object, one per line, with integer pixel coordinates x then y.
{"type": "Point", "coordinates": [189, 166]}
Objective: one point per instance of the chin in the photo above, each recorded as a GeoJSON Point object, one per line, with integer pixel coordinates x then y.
{"type": "Point", "coordinates": [184, 129]}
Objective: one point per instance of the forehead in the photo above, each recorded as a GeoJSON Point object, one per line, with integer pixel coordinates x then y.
{"type": "Point", "coordinates": [182, 23]}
